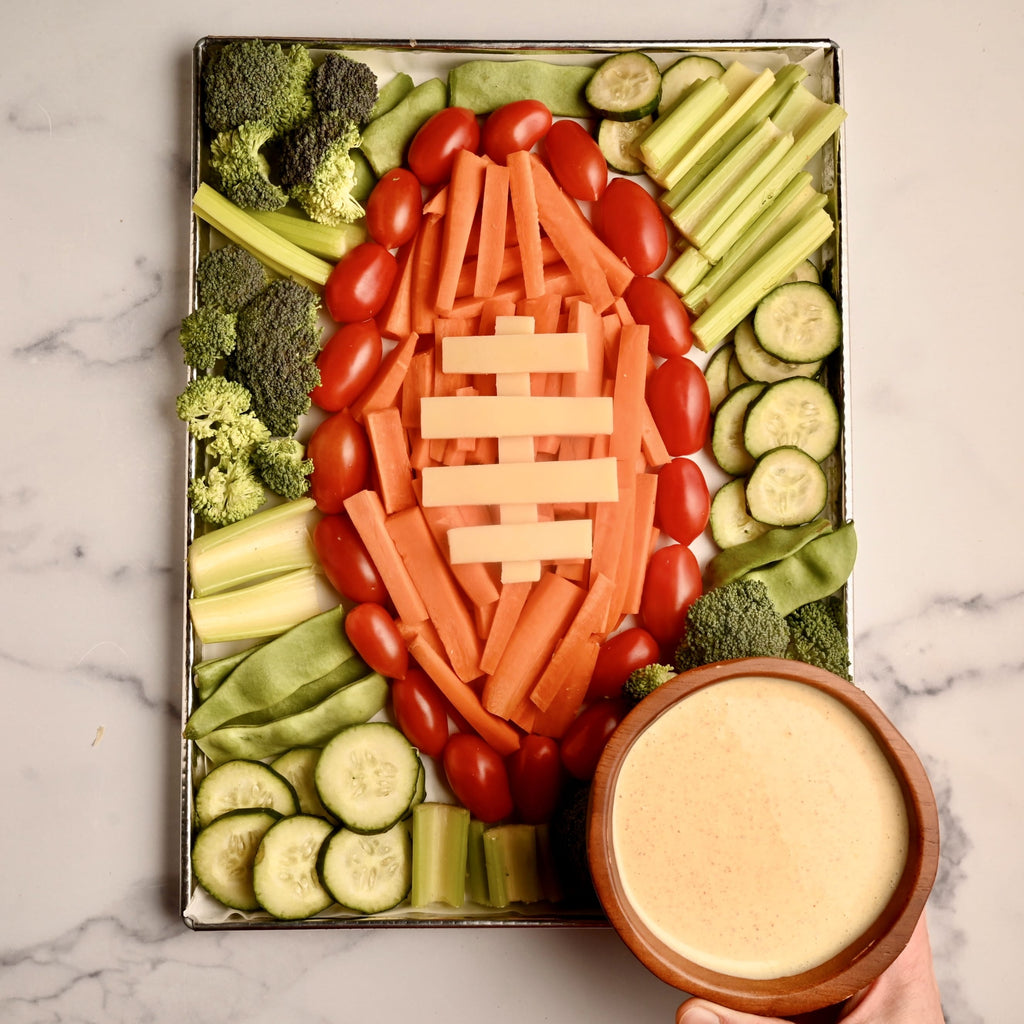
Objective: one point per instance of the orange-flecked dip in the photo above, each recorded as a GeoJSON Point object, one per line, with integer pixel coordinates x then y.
{"type": "Point", "coordinates": [758, 828]}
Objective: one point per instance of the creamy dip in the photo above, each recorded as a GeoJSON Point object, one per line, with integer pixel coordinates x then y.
{"type": "Point", "coordinates": [758, 827]}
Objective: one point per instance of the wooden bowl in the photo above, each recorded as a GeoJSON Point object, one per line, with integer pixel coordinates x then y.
{"type": "Point", "coordinates": [842, 974]}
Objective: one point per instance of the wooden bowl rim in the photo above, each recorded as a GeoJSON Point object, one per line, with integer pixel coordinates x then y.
{"type": "Point", "coordinates": [850, 970]}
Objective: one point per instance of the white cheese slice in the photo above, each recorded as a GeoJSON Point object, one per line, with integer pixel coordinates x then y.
{"type": "Point", "coordinates": [514, 416]}
{"type": "Point", "coordinates": [551, 540]}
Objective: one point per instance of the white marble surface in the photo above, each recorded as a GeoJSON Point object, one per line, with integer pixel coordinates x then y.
{"type": "Point", "coordinates": [93, 165]}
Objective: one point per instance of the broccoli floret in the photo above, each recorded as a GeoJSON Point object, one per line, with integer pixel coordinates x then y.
{"type": "Point", "coordinates": [229, 277]}
{"type": "Point", "coordinates": [645, 680]}
{"type": "Point", "coordinates": [209, 402]}
{"type": "Point", "coordinates": [277, 342]}
{"type": "Point", "coordinates": [252, 80]}
{"type": "Point", "coordinates": [282, 465]}
{"type": "Point", "coordinates": [207, 334]}
{"type": "Point", "coordinates": [818, 637]}
{"type": "Point", "coordinates": [346, 85]}
{"type": "Point", "coordinates": [229, 492]}
{"type": "Point", "coordinates": [236, 155]}
{"type": "Point", "coordinates": [735, 620]}
{"type": "Point", "coordinates": [318, 169]}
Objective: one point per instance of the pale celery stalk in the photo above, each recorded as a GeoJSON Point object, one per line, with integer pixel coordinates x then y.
{"type": "Point", "coordinates": [440, 840]}
{"type": "Point", "coordinates": [672, 132]}
{"type": "Point", "coordinates": [686, 271]}
{"type": "Point", "coordinates": [712, 327]}
{"type": "Point", "coordinates": [813, 136]}
{"type": "Point", "coordinates": [798, 198]}
{"type": "Point", "coordinates": [746, 96]}
{"type": "Point", "coordinates": [513, 875]}
{"type": "Point", "coordinates": [263, 609]}
{"type": "Point", "coordinates": [477, 889]}
{"type": "Point", "coordinates": [799, 110]}
{"type": "Point", "coordinates": [282, 256]}
{"type": "Point", "coordinates": [329, 241]}
{"type": "Point", "coordinates": [274, 540]}
{"type": "Point", "coordinates": [785, 79]}
{"type": "Point", "coordinates": [698, 216]}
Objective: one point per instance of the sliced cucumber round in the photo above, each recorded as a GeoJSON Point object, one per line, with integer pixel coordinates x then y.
{"type": "Point", "coordinates": [798, 321]}
{"type": "Point", "coordinates": [805, 271]}
{"type": "Point", "coordinates": [730, 522]}
{"type": "Point", "coordinates": [368, 873]}
{"type": "Point", "coordinates": [727, 431]}
{"type": "Point", "coordinates": [367, 776]}
{"type": "Point", "coordinates": [786, 487]}
{"type": "Point", "coordinates": [677, 78]}
{"type": "Point", "coordinates": [797, 411]}
{"type": "Point", "coordinates": [298, 766]}
{"type": "Point", "coordinates": [625, 86]}
{"type": "Point", "coordinates": [758, 364]}
{"type": "Point", "coordinates": [716, 373]}
{"type": "Point", "coordinates": [223, 854]}
{"type": "Point", "coordinates": [619, 142]}
{"type": "Point", "coordinates": [284, 874]}
{"type": "Point", "coordinates": [736, 374]}
{"type": "Point", "coordinates": [243, 784]}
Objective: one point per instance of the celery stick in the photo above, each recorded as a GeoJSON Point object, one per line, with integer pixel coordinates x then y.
{"type": "Point", "coordinates": [722, 316]}
{"type": "Point", "coordinates": [672, 132]}
{"type": "Point", "coordinates": [799, 110]}
{"type": "Point", "coordinates": [687, 270]}
{"type": "Point", "coordinates": [510, 853]}
{"type": "Point", "coordinates": [328, 241]}
{"type": "Point", "coordinates": [276, 252]}
{"type": "Point", "coordinates": [440, 842]}
{"type": "Point", "coordinates": [477, 889]}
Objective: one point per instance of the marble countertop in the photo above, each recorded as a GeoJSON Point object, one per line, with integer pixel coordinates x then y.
{"type": "Point", "coordinates": [94, 152]}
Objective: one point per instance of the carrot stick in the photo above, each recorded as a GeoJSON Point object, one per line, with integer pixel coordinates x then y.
{"type": "Point", "coordinates": [544, 309]}
{"type": "Point", "coordinates": [368, 517]}
{"type": "Point", "coordinates": [651, 442]}
{"type": "Point", "coordinates": [427, 259]}
{"type": "Point", "coordinates": [395, 318]}
{"type": "Point", "coordinates": [628, 395]}
{"type": "Point", "coordinates": [391, 455]}
{"type": "Point", "coordinates": [418, 384]}
{"type": "Point", "coordinates": [525, 213]}
{"type": "Point", "coordinates": [548, 610]}
{"type": "Point", "coordinates": [430, 572]}
{"type": "Point", "coordinates": [626, 519]}
{"type": "Point", "coordinates": [498, 733]}
{"type": "Point", "coordinates": [569, 699]}
{"type": "Point", "coordinates": [490, 310]}
{"type": "Point", "coordinates": [638, 553]}
{"type": "Point", "coordinates": [464, 193]}
{"type": "Point", "coordinates": [493, 214]}
{"type": "Point", "coordinates": [382, 391]}
{"type": "Point", "coordinates": [510, 605]}
{"type": "Point", "coordinates": [609, 519]}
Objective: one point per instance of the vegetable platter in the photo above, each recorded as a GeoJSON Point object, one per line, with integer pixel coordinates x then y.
{"type": "Point", "coordinates": [439, 548]}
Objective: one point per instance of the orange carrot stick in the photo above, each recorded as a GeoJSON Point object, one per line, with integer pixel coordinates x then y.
{"type": "Point", "coordinates": [493, 214]}
{"type": "Point", "coordinates": [464, 193]}
{"type": "Point", "coordinates": [391, 455]}
{"type": "Point", "coordinates": [525, 213]}
{"type": "Point", "coordinates": [506, 615]}
{"type": "Point", "coordinates": [395, 318]}
{"type": "Point", "coordinates": [569, 699]}
{"type": "Point", "coordinates": [418, 384]}
{"type": "Point", "coordinates": [383, 389]}
{"type": "Point", "coordinates": [427, 260]}
{"type": "Point", "coordinates": [628, 395]}
{"type": "Point", "coordinates": [645, 491]}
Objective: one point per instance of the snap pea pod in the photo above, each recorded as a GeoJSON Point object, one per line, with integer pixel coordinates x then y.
{"type": "Point", "coordinates": [777, 543]}
{"type": "Point", "coordinates": [209, 674]}
{"type": "Point", "coordinates": [817, 570]}
{"type": "Point", "coordinates": [357, 702]}
{"type": "Point", "coordinates": [484, 85]}
{"type": "Point", "coordinates": [278, 668]}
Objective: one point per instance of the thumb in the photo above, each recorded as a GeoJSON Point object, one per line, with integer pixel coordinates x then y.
{"type": "Point", "coordinates": [699, 1011]}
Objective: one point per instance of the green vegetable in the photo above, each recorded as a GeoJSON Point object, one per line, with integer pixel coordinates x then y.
{"type": "Point", "coordinates": [440, 838]}
{"type": "Point", "coordinates": [345, 85]}
{"type": "Point", "coordinates": [242, 784]}
{"type": "Point", "coordinates": [330, 241]}
{"type": "Point", "coordinates": [237, 158]}
{"type": "Point", "coordinates": [389, 94]}
{"type": "Point", "coordinates": [282, 465]}
{"type": "Point", "coordinates": [769, 547]}
{"type": "Point", "coordinates": [318, 169]}
{"type": "Point", "coordinates": [228, 493]}
{"type": "Point", "coordinates": [298, 766]}
{"type": "Point", "coordinates": [284, 875]}
{"type": "Point", "coordinates": [675, 130]}
{"type": "Point", "coordinates": [386, 138]}
{"type": "Point", "coordinates": [477, 888]}
{"type": "Point", "coordinates": [513, 869]}
{"type": "Point", "coordinates": [208, 674]}
{"type": "Point", "coordinates": [367, 874]}
{"type": "Point", "coordinates": [818, 636]}
{"type": "Point", "coordinates": [223, 855]}
{"type": "Point", "coordinates": [786, 487]}
{"type": "Point", "coordinates": [207, 335]}
{"type": "Point", "coordinates": [625, 86]}
{"type": "Point", "coordinates": [255, 80]}
{"type": "Point", "coordinates": [484, 85]}
{"type": "Point", "coordinates": [643, 681]}
{"type": "Point", "coordinates": [229, 277]}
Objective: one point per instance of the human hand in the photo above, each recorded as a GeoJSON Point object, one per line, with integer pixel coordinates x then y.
{"type": "Point", "coordinates": [906, 993]}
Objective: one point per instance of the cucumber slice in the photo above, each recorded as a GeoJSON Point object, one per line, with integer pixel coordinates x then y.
{"type": "Point", "coordinates": [368, 873]}
{"type": "Point", "coordinates": [730, 522]}
{"type": "Point", "coordinates": [716, 373]}
{"type": "Point", "coordinates": [625, 87]}
{"type": "Point", "coordinates": [736, 374]}
{"type": "Point", "coordinates": [677, 78]}
{"type": "Point", "coordinates": [797, 411]}
{"type": "Point", "coordinates": [367, 776]}
{"type": "Point", "coordinates": [727, 431]}
{"type": "Point", "coordinates": [619, 142]}
{"type": "Point", "coordinates": [298, 766]}
{"type": "Point", "coordinates": [798, 321]}
{"type": "Point", "coordinates": [243, 784]}
{"type": "Point", "coordinates": [757, 364]}
{"type": "Point", "coordinates": [223, 855]}
{"type": "Point", "coordinates": [284, 874]}
{"type": "Point", "coordinates": [786, 487]}
{"type": "Point", "coordinates": [806, 271]}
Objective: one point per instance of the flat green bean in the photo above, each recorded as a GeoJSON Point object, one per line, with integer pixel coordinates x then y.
{"type": "Point", "coordinates": [209, 674]}
{"type": "Point", "coordinates": [775, 544]}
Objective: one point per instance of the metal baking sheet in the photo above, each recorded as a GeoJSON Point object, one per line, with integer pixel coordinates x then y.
{"type": "Point", "coordinates": [423, 59]}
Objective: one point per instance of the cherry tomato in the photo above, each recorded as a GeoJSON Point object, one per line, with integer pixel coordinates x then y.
{"type": "Point", "coordinates": [515, 126]}
{"type": "Point", "coordinates": [617, 657]}
{"type": "Point", "coordinates": [673, 582]}
{"type": "Point", "coordinates": [535, 776]}
{"type": "Point", "coordinates": [394, 208]}
{"type": "Point", "coordinates": [632, 225]}
{"type": "Point", "coordinates": [585, 739]}
{"type": "Point", "coordinates": [433, 147]}
{"type": "Point", "coordinates": [680, 404]}
{"type": "Point", "coordinates": [683, 501]}
{"type": "Point", "coordinates": [376, 639]}
{"type": "Point", "coordinates": [341, 461]}
{"type": "Point", "coordinates": [346, 562]}
{"type": "Point", "coordinates": [576, 160]}
{"type": "Point", "coordinates": [347, 363]}
{"type": "Point", "coordinates": [653, 302]}
{"type": "Point", "coordinates": [478, 777]}
{"type": "Point", "coordinates": [360, 283]}
{"type": "Point", "coordinates": [420, 712]}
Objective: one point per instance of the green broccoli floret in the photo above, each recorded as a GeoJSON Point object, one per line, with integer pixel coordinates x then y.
{"type": "Point", "coordinates": [318, 169]}
{"type": "Point", "coordinates": [346, 85]}
{"type": "Point", "coordinates": [209, 402]}
{"type": "Point", "coordinates": [252, 80]}
{"type": "Point", "coordinates": [237, 156]}
{"type": "Point", "coordinates": [229, 277]}
{"type": "Point", "coordinates": [735, 620]}
{"type": "Point", "coordinates": [282, 465]}
{"type": "Point", "coordinates": [277, 342]}
{"type": "Point", "coordinates": [207, 335]}
{"type": "Point", "coordinates": [645, 680]}
{"type": "Point", "coordinates": [229, 492]}
{"type": "Point", "coordinates": [817, 636]}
